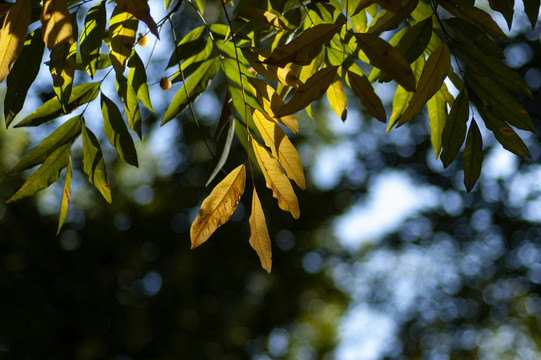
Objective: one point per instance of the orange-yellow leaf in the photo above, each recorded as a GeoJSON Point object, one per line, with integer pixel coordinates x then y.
{"type": "Point", "coordinates": [284, 75]}
{"type": "Point", "coordinates": [365, 92]}
{"type": "Point", "coordinates": [141, 10]}
{"type": "Point", "coordinates": [56, 23]}
{"type": "Point", "coordinates": [13, 35]}
{"type": "Point", "coordinates": [337, 98]}
{"type": "Point", "coordinates": [259, 235]}
{"type": "Point", "coordinates": [276, 180]}
{"type": "Point", "coordinates": [281, 147]}
{"type": "Point", "coordinates": [123, 28]}
{"type": "Point", "coordinates": [218, 207]}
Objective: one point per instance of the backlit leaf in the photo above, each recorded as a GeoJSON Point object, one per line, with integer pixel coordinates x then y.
{"type": "Point", "coordinates": [285, 75]}
{"type": "Point", "coordinates": [62, 67]}
{"type": "Point", "coordinates": [13, 35]}
{"type": "Point", "coordinates": [123, 28]}
{"type": "Point", "coordinates": [129, 98]}
{"type": "Point", "coordinates": [91, 37]}
{"type": "Point", "coordinates": [392, 19]}
{"type": "Point", "coordinates": [259, 234]}
{"type": "Point", "coordinates": [56, 23]}
{"type": "Point", "coordinates": [402, 97]}
{"type": "Point", "coordinates": [454, 130]}
{"type": "Point", "coordinates": [437, 113]}
{"type": "Point", "coordinates": [505, 7]}
{"type": "Point", "coordinates": [66, 195]}
{"type": "Point", "coordinates": [276, 180]}
{"type": "Point", "coordinates": [137, 79]}
{"type": "Point", "coordinates": [218, 207]}
{"type": "Point", "coordinates": [262, 17]}
{"type": "Point", "coordinates": [224, 151]}
{"type": "Point", "coordinates": [472, 35]}
{"type": "Point", "coordinates": [531, 7]}
{"type": "Point", "coordinates": [337, 98]}
{"type": "Point", "coordinates": [415, 40]}
{"type": "Point", "coordinates": [472, 159]}
{"type": "Point", "coordinates": [191, 44]}
{"type": "Point", "coordinates": [141, 10]}
{"type": "Point", "coordinates": [94, 164]}
{"type": "Point", "coordinates": [366, 94]}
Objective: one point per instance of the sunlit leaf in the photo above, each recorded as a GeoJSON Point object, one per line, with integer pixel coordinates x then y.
{"type": "Point", "coordinates": [91, 37]}
{"type": "Point", "coordinates": [13, 35]}
{"type": "Point", "coordinates": [56, 23]}
{"type": "Point", "coordinates": [137, 79]}
{"type": "Point", "coordinates": [191, 44]}
{"type": "Point", "coordinates": [141, 10]}
{"type": "Point", "coordinates": [366, 94]}
{"type": "Point", "coordinates": [192, 63]}
{"type": "Point", "coordinates": [66, 195]}
{"type": "Point", "coordinates": [454, 130]}
{"type": "Point", "coordinates": [337, 98]}
{"type": "Point", "coordinates": [402, 97]}
{"type": "Point", "coordinates": [104, 61]}
{"type": "Point", "coordinates": [285, 74]}
{"type": "Point", "coordinates": [94, 164]}
{"type": "Point", "coordinates": [259, 234]}
{"type": "Point", "coordinates": [62, 67]}
{"type": "Point", "coordinates": [123, 28]}
{"type": "Point", "coordinates": [218, 207]}
{"type": "Point", "coordinates": [472, 159]}
{"type": "Point", "coordinates": [262, 17]}
{"type": "Point", "coordinates": [437, 113]}
{"type": "Point", "coordinates": [129, 98]}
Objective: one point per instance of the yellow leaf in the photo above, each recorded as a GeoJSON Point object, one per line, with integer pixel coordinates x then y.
{"type": "Point", "coordinates": [123, 28]}
{"type": "Point", "coordinates": [62, 67]}
{"type": "Point", "coordinates": [141, 10]}
{"type": "Point", "coordinates": [281, 147]}
{"type": "Point", "coordinates": [13, 35]}
{"type": "Point", "coordinates": [262, 17]}
{"type": "Point", "coordinates": [259, 235]}
{"type": "Point", "coordinates": [276, 180]}
{"type": "Point", "coordinates": [272, 103]}
{"type": "Point", "coordinates": [66, 195]}
{"type": "Point", "coordinates": [365, 92]}
{"type": "Point", "coordinates": [337, 98]}
{"type": "Point", "coordinates": [56, 23]}
{"type": "Point", "coordinates": [218, 207]}
{"type": "Point", "coordinates": [437, 113]}
{"type": "Point", "coordinates": [284, 75]}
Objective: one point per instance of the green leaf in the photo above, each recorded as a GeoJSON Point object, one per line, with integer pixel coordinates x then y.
{"type": "Point", "coordinates": [92, 36]}
{"type": "Point", "coordinates": [366, 94]}
{"type": "Point", "coordinates": [22, 75]}
{"type": "Point", "coordinates": [454, 130]}
{"type": "Point", "coordinates": [472, 35]}
{"type": "Point", "coordinates": [402, 97]}
{"type": "Point", "coordinates": [437, 113]}
{"type": "Point", "coordinates": [66, 195]}
{"type": "Point", "coordinates": [502, 104]}
{"type": "Point", "coordinates": [192, 63]}
{"type": "Point", "coordinates": [313, 89]}
{"type": "Point", "coordinates": [392, 19]}
{"type": "Point", "coordinates": [472, 160]}
{"type": "Point", "coordinates": [137, 79]}
{"type": "Point", "coordinates": [47, 173]}
{"type": "Point", "coordinates": [131, 105]}
{"type": "Point", "coordinates": [104, 61]}
{"type": "Point", "coordinates": [190, 45]}
{"type": "Point", "coordinates": [195, 85]}
{"type": "Point", "coordinates": [224, 151]}
{"type": "Point", "coordinates": [531, 7]}
{"type": "Point", "coordinates": [62, 67]}
{"type": "Point", "coordinates": [52, 109]}
{"type": "Point", "coordinates": [94, 164]}
{"type": "Point", "coordinates": [434, 72]}
{"type": "Point", "coordinates": [123, 28]}
{"type": "Point", "coordinates": [388, 59]}
{"type": "Point", "coordinates": [117, 132]}
{"type": "Point", "coordinates": [415, 40]}
{"type": "Point", "coordinates": [505, 7]}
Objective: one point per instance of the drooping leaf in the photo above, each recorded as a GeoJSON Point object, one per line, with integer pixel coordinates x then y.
{"type": "Point", "coordinates": [474, 36]}
{"type": "Point", "coordinates": [94, 164]}
{"type": "Point", "coordinates": [194, 86]}
{"type": "Point", "coordinates": [454, 130]}
{"type": "Point", "coordinates": [12, 35]}
{"type": "Point", "coordinates": [392, 19]}
{"type": "Point", "coordinates": [259, 234]}
{"type": "Point", "coordinates": [141, 10]}
{"type": "Point", "coordinates": [22, 75]}
{"type": "Point", "coordinates": [305, 47]}
{"type": "Point", "coordinates": [437, 113]}
{"type": "Point", "coordinates": [62, 67]}
{"type": "Point", "coordinates": [434, 72]}
{"type": "Point", "coordinates": [387, 58]}
{"type": "Point", "coordinates": [531, 7]}
{"type": "Point", "coordinates": [337, 98]}
{"type": "Point", "coordinates": [65, 134]}
{"type": "Point", "coordinates": [285, 74]}
{"type": "Point", "coordinates": [47, 173]}
{"type": "Point", "coordinates": [117, 132]}
{"type": "Point", "coordinates": [104, 61]}
{"type": "Point", "coordinates": [472, 159]}
{"type": "Point", "coordinates": [281, 147]}
{"type": "Point", "coordinates": [91, 37]}
{"type": "Point", "coordinates": [52, 109]}
{"type": "Point", "coordinates": [224, 152]}
{"type": "Point", "coordinates": [192, 63]}
{"type": "Point", "coordinates": [366, 94]}
{"type": "Point", "coordinates": [313, 89]}
{"type": "Point", "coordinates": [276, 180]}
{"type": "Point", "coordinates": [122, 28]}
{"type": "Point", "coordinates": [262, 17]}
{"type": "Point", "coordinates": [66, 195]}
{"type": "Point", "coordinates": [56, 23]}
{"type": "Point", "coordinates": [415, 40]}
{"type": "Point", "coordinates": [191, 44]}
{"type": "Point", "coordinates": [137, 79]}
{"type": "Point", "coordinates": [218, 207]}
{"type": "Point", "coordinates": [129, 98]}
{"type": "Point", "coordinates": [402, 97]}
{"type": "Point", "coordinates": [505, 7]}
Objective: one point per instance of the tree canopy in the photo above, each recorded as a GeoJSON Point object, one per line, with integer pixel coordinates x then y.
{"type": "Point", "coordinates": [268, 60]}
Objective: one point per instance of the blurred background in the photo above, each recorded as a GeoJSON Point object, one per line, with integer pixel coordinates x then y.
{"type": "Point", "coordinates": [390, 259]}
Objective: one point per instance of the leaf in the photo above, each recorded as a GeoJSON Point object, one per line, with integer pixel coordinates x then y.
{"type": "Point", "coordinates": [415, 40]}
{"type": "Point", "coordinates": [137, 79]}
{"type": "Point", "coordinates": [472, 159]}
{"type": "Point", "coordinates": [402, 97]}
{"type": "Point", "coordinates": [337, 98]}
{"type": "Point", "coordinates": [276, 180]}
{"type": "Point", "coordinates": [436, 68]}
{"type": "Point", "coordinates": [64, 134]}
{"type": "Point", "coordinates": [218, 207]}
{"type": "Point", "coordinates": [437, 113]}
{"type": "Point", "coordinates": [22, 75]}
{"type": "Point", "coordinates": [141, 10]}
{"type": "Point", "coordinates": [281, 147]}
{"type": "Point", "coordinates": [194, 86]}
{"type": "Point", "coordinates": [191, 44]}
{"type": "Point", "coordinates": [305, 47]}
{"type": "Point", "coordinates": [454, 130]}
{"type": "Point", "coordinates": [365, 92]}
{"type": "Point", "coordinates": [505, 7]}
{"type": "Point", "coordinates": [94, 164]}
{"type": "Point", "coordinates": [131, 105]}
{"type": "Point", "coordinates": [387, 58]}
{"type": "Point", "coordinates": [313, 89]}
{"type": "Point", "coordinates": [66, 195]}
{"type": "Point", "coordinates": [472, 35]}
{"type": "Point", "coordinates": [224, 153]}
{"type": "Point", "coordinates": [56, 23]}
{"type": "Point", "coordinates": [392, 18]}
{"type": "Point", "coordinates": [261, 17]}
{"type": "Point", "coordinates": [104, 61]}
{"type": "Point", "coordinates": [62, 67]}
{"type": "Point", "coordinates": [192, 63]}
{"type": "Point", "coordinates": [531, 7]}
{"type": "Point", "coordinates": [259, 234]}
{"type": "Point", "coordinates": [52, 109]}
{"type": "Point", "coordinates": [123, 28]}
{"type": "Point", "coordinates": [116, 131]}
{"type": "Point", "coordinates": [91, 37]}
{"type": "Point", "coordinates": [284, 75]}
{"type": "Point", "coordinates": [12, 35]}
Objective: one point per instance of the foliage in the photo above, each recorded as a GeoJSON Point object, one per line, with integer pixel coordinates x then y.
{"type": "Point", "coordinates": [277, 58]}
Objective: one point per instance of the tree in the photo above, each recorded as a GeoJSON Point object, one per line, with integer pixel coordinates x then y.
{"type": "Point", "coordinates": [268, 61]}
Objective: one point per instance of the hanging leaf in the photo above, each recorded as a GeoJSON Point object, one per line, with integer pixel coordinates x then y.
{"type": "Point", "coordinates": [131, 105]}
{"type": "Point", "coordinates": [402, 97]}
{"type": "Point", "coordinates": [218, 207]}
{"type": "Point", "coordinates": [141, 10]}
{"type": "Point", "coordinates": [471, 34]}
{"type": "Point", "coordinates": [313, 89]}
{"type": "Point", "coordinates": [365, 92]}
{"type": "Point", "coordinates": [276, 180]}
{"type": "Point", "coordinates": [94, 164]}
{"type": "Point", "coordinates": [137, 79]}
{"type": "Point", "coordinates": [56, 23]}
{"type": "Point", "coordinates": [437, 113]}
{"type": "Point", "coordinates": [259, 234]}
{"type": "Point", "coordinates": [284, 75]}
{"type": "Point", "coordinates": [305, 47]}
{"type": "Point", "coordinates": [387, 58]}
{"type": "Point", "coordinates": [337, 98]}
{"type": "Point", "coordinates": [415, 40]}
{"type": "Point", "coordinates": [91, 37]}
{"type": "Point", "coordinates": [12, 35]}
{"type": "Point", "coordinates": [281, 147]}
{"type": "Point", "coordinates": [454, 130]}
{"type": "Point", "coordinates": [22, 75]}
{"type": "Point", "coordinates": [392, 18]}
{"type": "Point", "coordinates": [190, 45]}
{"type": "Point", "coordinates": [123, 28]}
{"type": "Point", "coordinates": [531, 7]}
{"type": "Point", "coordinates": [472, 159]}
{"type": "Point", "coordinates": [62, 67]}
{"type": "Point", "coordinates": [504, 7]}
{"type": "Point", "coordinates": [224, 152]}
{"type": "Point", "coordinates": [261, 17]}
{"type": "Point", "coordinates": [66, 195]}
{"type": "Point", "coordinates": [116, 131]}
{"type": "Point", "coordinates": [434, 72]}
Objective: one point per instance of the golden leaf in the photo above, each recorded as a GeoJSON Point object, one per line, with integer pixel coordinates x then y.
{"type": "Point", "coordinates": [13, 35]}
{"type": "Point", "coordinates": [123, 28]}
{"type": "Point", "coordinates": [276, 180]}
{"type": "Point", "coordinates": [259, 234]}
{"type": "Point", "coordinates": [141, 10]}
{"type": "Point", "coordinates": [337, 98]}
{"type": "Point", "coordinates": [56, 23]}
{"type": "Point", "coordinates": [218, 207]}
